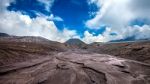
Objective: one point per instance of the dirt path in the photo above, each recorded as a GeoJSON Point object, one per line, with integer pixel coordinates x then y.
{"type": "Point", "coordinates": [76, 67]}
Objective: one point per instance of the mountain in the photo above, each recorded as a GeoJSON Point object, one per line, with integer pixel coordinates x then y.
{"type": "Point", "coordinates": [130, 39]}
{"type": "Point", "coordinates": [15, 49]}
{"type": "Point", "coordinates": [3, 35]}
{"type": "Point", "coordinates": [29, 43]}
{"type": "Point", "coordinates": [77, 43]}
{"type": "Point", "coordinates": [28, 39]}
{"type": "Point", "coordinates": [57, 46]}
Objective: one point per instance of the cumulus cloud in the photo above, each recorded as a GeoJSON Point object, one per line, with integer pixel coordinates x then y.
{"type": "Point", "coordinates": [111, 13]}
{"type": "Point", "coordinates": [138, 32]}
{"type": "Point", "coordinates": [15, 23]}
{"type": "Point", "coordinates": [48, 3]}
{"type": "Point", "coordinates": [140, 8]}
{"type": "Point", "coordinates": [54, 18]}
{"type": "Point", "coordinates": [89, 38]}
{"type": "Point", "coordinates": [118, 14]}
{"type": "Point", "coordinates": [104, 37]}
{"type": "Point", "coordinates": [4, 4]}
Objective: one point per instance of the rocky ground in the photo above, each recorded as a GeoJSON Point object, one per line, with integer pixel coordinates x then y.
{"type": "Point", "coordinates": [30, 60]}
{"type": "Point", "coordinates": [139, 51]}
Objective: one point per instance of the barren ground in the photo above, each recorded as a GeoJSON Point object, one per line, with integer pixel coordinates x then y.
{"type": "Point", "coordinates": [37, 63]}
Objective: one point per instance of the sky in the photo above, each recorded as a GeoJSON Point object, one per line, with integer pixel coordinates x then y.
{"type": "Point", "coordinates": [88, 20]}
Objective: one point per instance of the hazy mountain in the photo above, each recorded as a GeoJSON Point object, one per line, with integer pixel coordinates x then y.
{"type": "Point", "coordinates": [129, 39]}
{"type": "Point", "coordinates": [77, 43]}
{"type": "Point", "coordinates": [3, 35]}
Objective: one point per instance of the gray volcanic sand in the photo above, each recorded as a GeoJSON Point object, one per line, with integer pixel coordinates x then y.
{"type": "Point", "coordinates": [76, 67]}
{"type": "Point", "coordinates": [30, 60]}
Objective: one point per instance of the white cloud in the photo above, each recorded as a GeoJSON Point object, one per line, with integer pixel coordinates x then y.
{"type": "Point", "coordinates": [89, 38]}
{"type": "Point", "coordinates": [138, 32]}
{"type": "Point", "coordinates": [105, 37]}
{"type": "Point", "coordinates": [111, 13]}
{"type": "Point", "coordinates": [48, 3]}
{"type": "Point", "coordinates": [140, 8]}
{"type": "Point", "coordinates": [15, 23]}
{"type": "Point", "coordinates": [117, 14]}
{"type": "Point", "coordinates": [4, 4]}
{"type": "Point", "coordinates": [54, 18]}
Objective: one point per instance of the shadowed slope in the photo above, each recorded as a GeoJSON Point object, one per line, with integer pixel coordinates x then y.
{"type": "Point", "coordinates": [139, 50]}
{"type": "Point", "coordinates": [76, 43]}
{"type": "Point", "coordinates": [17, 49]}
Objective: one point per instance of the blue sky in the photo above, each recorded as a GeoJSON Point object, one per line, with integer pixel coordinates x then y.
{"type": "Point", "coordinates": [88, 20]}
{"type": "Point", "coordinates": [73, 12]}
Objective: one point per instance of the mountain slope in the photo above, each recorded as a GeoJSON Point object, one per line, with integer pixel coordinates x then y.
{"type": "Point", "coordinates": [16, 49]}
{"type": "Point", "coordinates": [136, 50]}
{"type": "Point", "coordinates": [76, 43]}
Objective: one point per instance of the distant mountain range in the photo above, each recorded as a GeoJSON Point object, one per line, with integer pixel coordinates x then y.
{"type": "Point", "coordinates": [129, 39]}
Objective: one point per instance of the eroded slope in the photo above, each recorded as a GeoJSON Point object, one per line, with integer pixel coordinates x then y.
{"type": "Point", "coordinates": [32, 61]}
